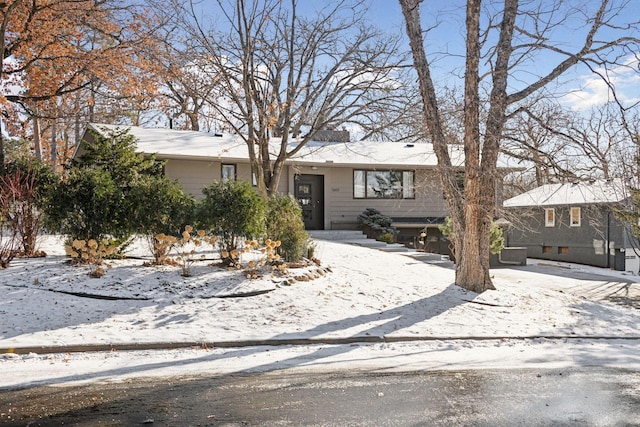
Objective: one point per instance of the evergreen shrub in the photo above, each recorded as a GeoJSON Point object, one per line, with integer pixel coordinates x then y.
{"type": "Point", "coordinates": [284, 223]}
{"type": "Point", "coordinates": [233, 211]}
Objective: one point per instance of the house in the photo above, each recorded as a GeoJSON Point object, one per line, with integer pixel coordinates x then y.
{"type": "Point", "coordinates": [574, 222]}
{"type": "Point", "coordinates": [333, 181]}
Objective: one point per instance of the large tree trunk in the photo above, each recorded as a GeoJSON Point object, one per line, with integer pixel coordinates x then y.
{"type": "Point", "coordinates": [472, 260]}
{"type": "Point", "coordinates": [471, 212]}
{"type": "Point", "coordinates": [472, 269]}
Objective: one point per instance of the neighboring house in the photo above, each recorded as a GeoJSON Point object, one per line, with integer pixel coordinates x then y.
{"type": "Point", "coordinates": [574, 222]}
{"type": "Point", "coordinates": [333, 181]}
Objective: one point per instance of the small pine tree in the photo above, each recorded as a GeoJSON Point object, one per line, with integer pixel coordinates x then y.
{"type": "Point", "coordinates": [375, 224]}
{"type": "Point", "coordinates": [106, 191]}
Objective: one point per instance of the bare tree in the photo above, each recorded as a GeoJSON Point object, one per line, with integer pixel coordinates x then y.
{"type": "Point", "coordinates": [531, 137]}
{"type": "Point", "coordinates": [187, 81]}
{"type": "Point", "coordinates": [571, 145]}
{"type": "Point", "coordinates": [500, 61]}
{"type": "Point", "coordinates": [189, 87]}
{"type": "Point", "coordinates": [287, 76]}
{"type": "Point", "coordinates": [598, 141]}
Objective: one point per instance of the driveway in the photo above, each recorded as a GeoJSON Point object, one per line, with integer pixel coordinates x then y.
{"type": "Point", "coordinates": [592, 283]}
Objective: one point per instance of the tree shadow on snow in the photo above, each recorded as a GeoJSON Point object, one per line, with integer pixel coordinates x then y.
{"type": "Point", "coordinates": [377, 324]}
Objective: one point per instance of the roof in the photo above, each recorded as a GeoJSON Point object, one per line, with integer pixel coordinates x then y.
{"type": "Point", "coordinates": [175, 144]}
{"type": "Point", "coordinates": [578, 193]}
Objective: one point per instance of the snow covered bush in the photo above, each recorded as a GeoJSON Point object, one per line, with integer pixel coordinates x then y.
{"type": "Point", "coordinates": [187, 247]}
{"type": "Point", "coordinates": [260, 256]}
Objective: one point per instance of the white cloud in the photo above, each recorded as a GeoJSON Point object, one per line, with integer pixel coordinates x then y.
{"type": "Point", "coordinates": [594, 90]}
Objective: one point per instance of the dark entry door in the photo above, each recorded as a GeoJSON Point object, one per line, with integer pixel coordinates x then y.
{"type": "Point", "coordinates": [309, 192]}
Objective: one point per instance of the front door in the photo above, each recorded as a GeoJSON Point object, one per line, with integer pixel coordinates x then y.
{"type": "Point", "coordinates": [309, 192]}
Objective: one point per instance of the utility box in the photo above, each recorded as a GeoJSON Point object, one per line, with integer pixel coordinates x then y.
{"type": "Point", "coordinates": [631, 261]}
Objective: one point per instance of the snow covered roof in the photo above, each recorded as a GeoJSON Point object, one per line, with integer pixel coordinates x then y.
{"type": "Point", "coordinates": [168, 144]}
{"type": "Point", "coordinates": [578, 193]}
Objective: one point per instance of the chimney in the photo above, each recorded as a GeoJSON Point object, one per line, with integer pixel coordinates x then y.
{"type": "Point", "coordinates": [326, 135]}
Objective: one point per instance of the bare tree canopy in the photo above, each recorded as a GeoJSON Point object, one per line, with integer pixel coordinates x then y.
{"type": "Point", "coordinates": [285, 75]}
{"type": "Point", "coordinates": [560, 144]}
{"type": "Point", "coordinates": [514, 50]}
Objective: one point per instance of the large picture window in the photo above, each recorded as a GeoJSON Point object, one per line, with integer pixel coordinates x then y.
{"type": "Point", "coordinates": [388, 184]}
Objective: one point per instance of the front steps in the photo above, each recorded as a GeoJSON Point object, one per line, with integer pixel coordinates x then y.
{"type": "Point", "coordinates": [355, 237]}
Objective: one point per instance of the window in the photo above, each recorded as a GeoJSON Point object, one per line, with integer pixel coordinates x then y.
{"type": "Point", "coordinates": [547, 249]}
{"type": "Point", "coordinates": [574, 217]}
{"type": "Point", "coordinates": [549, 217]}
{"type": "Point", "coordinates": [563, 250]}
{"type": "Point", "coordinates": [390, 184]}
{"type": "Point", "coordinates": [228, 173]}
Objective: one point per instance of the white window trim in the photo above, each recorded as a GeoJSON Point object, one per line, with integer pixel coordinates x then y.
{"type": "Point", "coordinates": [229, 166]}
{"type": "Point", "coordinates": [571, 218]}
{"type": "Point", "coordinates": [548, 223]}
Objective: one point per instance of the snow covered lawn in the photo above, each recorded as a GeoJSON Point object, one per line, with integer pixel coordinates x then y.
{"type": "Point", "coordinates": [410, 311]}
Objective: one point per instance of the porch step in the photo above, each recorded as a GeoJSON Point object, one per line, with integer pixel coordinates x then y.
{"type": "Point", "coordinates": [394, 247]}
{"type": "Point", "coordinates": [355, 237]}
{"type": "Point", "coordinates": [337, 235]}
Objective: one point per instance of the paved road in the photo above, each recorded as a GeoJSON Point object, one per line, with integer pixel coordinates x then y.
{"type": "Point", "coordinates": [575, 397]}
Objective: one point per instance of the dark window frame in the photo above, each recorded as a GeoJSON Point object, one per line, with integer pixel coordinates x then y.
{"type": "Point", "coordinates": [402, 172]}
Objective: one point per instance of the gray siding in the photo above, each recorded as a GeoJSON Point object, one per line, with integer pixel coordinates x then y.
{"type": "Point", "coordinates": [595, 242]}
{"type": "Point", "coordinates": [193, 175]}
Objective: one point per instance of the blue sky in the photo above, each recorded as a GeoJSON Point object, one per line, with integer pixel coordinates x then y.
{"type": "Point", "coordinates": [445, 45]}
{"type": "Point", "coordinates": [586, 90]}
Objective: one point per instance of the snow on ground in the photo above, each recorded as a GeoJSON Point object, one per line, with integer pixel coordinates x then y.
{"type": "Point", "coordinates": [394, 311]}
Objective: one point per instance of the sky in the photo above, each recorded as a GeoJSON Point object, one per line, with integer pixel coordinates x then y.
{"type": "Point", "coordinates": [583, 89]}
